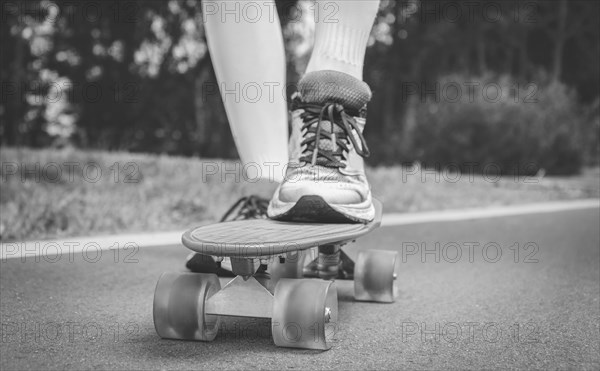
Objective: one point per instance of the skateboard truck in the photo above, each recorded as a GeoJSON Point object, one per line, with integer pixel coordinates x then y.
{"type": "Point", "coordinates": [244, 267]}
{"type": "Point", "coordinates": [329, 261]}
{"type": "Point", "coordinates": [241, 297]}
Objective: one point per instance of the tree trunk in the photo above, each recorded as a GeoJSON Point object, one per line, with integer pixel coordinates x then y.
{"type": "Point", "coordinates": [15, 105]}
{"type": "Point", "coordinates": [523, 58]}
{"type": "Point", "coordinates": [481, 53]}
{"type": "Point", "coordinates": [200, 107]}
{"type": "Point", "coordinates": [560, 40]}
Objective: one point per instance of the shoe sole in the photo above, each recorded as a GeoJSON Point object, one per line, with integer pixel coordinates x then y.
{"type": "Point", "coordinates": [315, 209]}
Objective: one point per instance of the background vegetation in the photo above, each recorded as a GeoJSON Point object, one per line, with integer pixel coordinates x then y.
{"type": "Point", "coordinates": [117, 192]}
{"type": "Point", "coordinates": [129, 75]}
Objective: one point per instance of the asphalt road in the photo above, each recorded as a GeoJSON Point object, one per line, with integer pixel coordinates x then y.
{"type": "Point", "coordinates": [538, 308]}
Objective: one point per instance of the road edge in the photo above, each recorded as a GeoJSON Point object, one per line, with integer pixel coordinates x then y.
{"type": "Point", "coordinates": [92, 246]}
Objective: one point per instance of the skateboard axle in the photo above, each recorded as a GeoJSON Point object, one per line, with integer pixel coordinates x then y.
{"type": "Point", "coordinates": [328, 263]}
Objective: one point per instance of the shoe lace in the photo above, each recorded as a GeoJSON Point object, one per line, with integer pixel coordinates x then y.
{"type": "Point", "coordinates": [248, 207]}
{"type": "Point", "coordinates": [337, 115]}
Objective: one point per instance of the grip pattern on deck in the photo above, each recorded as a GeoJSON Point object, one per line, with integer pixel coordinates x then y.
{"type": "Point", "coordinates": [261, 231]}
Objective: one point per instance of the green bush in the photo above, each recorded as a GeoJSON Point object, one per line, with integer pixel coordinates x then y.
{"type": "Point", "coordinates": [493, 124]}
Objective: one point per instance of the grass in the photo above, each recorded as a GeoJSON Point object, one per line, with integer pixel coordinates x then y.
{"type": "Point", "coordinates": [140, 192]}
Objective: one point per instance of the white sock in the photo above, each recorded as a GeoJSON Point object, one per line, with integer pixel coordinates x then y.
{"type": "Point", "coordinates": [341, 35]}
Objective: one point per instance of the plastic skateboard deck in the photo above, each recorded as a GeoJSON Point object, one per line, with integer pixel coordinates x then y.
{"type": "Point", "coordinates": [265, 237]}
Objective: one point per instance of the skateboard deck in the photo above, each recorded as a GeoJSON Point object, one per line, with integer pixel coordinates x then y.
{"type": "Point", "coordinates": [266, 237]}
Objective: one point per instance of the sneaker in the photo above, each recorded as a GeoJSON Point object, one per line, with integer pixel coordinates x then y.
{"type": "Point", "coordinates": [251, 207]}
{"type": "Point", "coordinates": [325, 179]}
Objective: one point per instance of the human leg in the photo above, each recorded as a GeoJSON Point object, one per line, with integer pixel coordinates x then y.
{"type": "Point", "coordinates": [246, 48]}
{"type": "Point", "coordinates": [326, 180]}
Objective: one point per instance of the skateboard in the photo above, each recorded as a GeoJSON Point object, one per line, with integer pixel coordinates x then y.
{"type": "Point", "coordinates": [284, 271]}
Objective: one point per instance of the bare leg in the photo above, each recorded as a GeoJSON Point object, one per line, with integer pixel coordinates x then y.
{"type": "Point", "coordinates": [246, 46]}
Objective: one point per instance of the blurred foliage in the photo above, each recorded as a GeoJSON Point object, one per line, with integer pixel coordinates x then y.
{"type": "Point", "coordinates": [502, 128]}
{"type": "Point", "coordinates": [129, 75]}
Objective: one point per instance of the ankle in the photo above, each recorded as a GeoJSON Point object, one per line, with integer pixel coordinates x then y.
{"type": "Point", "coordinates": [262, 188]}
{"type": "Point", "coordinates": [322, 63]}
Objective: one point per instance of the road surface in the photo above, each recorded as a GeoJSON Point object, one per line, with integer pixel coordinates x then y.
{"type": "Point", "coordinates": [517, 291]}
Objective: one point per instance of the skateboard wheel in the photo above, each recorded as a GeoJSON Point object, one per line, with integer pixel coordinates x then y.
{"type": "Point", "coordinates": [305, 313]}
{"type": "Point", "coordinates": [374, 276]}
{"type": "Point", "coordinates": [179, 306]}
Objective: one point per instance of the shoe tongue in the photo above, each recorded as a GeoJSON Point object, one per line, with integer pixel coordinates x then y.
{"type": "Point", "coordinates": [321, 87]}
{"type": "Point", "coordinates": [324, 143]}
